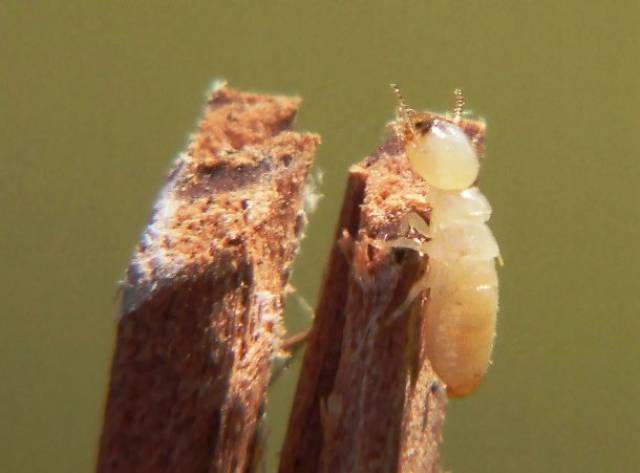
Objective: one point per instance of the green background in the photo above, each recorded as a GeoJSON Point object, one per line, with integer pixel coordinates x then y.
{"type": "Point", "coordinates": [96, 98]}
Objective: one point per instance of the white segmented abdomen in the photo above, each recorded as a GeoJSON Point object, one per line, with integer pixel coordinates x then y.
{"type": "Point", "coordinates": [463, 288]}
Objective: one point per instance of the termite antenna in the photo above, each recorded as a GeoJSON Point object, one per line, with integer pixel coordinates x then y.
{"type": "Point", "coordinates": [403, 124]}
{"type": "Point", "coordinates": [458, 108]}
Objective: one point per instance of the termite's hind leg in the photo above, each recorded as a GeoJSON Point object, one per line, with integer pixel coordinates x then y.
{"type": "Point", "coordinates": [293, 343]}
{"type": "Point", "coordinates": [418, 288]}
{"type": "Point", "coordinates": [291, 347]}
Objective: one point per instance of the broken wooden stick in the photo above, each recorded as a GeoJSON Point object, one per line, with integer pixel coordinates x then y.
{"type": "Point", "coordinates": [367, 399]}
{"type": "Point", "coordinates": [202, 303]}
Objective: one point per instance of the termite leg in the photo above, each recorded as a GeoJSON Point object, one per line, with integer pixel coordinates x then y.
{"type": "Point", "coordinates": [402, 242]}
{"type": "Point", "coordinates": [415, 221]}
{"type": "Point", "coordinates": [410, 221]}
{"type": "Point", "coordinates": [293, 343]}
{"type": "Point", "coordinates": [291, 346]}
{"type": "Point", "coordinates": [418, 288]}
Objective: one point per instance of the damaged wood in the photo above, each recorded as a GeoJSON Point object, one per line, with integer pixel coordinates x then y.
{"type": "Point", "coordinates": [367, 399]}
{"type": "Point", "coordinates": [202, 303]}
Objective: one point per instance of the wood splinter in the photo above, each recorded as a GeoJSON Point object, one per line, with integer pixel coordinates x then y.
{"type": "Point", "coordinates": [202, 303]}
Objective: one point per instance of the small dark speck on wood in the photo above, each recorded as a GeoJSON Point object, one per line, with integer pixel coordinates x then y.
{"type": "Point", "coordinates": [202, 302]}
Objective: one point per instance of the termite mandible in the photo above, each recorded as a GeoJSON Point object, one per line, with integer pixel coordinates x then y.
{"type": "Point", "coordinates": [461, 279]}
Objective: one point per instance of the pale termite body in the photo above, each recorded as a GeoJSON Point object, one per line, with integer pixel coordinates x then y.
{"type": "Point", "coordinates": [460, 282]}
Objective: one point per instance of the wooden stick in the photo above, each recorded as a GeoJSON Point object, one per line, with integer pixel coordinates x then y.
{"type": "Point", "coordinates": [368, 399]}
{"type": "Point", "coordinates": [202, 304]}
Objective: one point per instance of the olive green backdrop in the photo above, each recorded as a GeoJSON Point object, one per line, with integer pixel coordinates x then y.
{"type": "Point", "coordinates": [96, 98]}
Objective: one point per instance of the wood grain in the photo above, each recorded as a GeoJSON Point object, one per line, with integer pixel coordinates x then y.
{"type": "Point", "coordinates": [202, 303]}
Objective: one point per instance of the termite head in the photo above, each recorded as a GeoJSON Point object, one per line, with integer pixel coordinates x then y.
{"type": "Point", "coordinates": [442, 154]}
{"type": "Point", "coordinates": [444, 157]}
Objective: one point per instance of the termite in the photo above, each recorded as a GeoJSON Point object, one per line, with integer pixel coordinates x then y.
{"type": "Point", "coordinates": [460, 282]}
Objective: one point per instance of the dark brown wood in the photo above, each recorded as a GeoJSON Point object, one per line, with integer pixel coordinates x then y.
{"type": "Point", "coordinates": [202, 303]}
{"type": "Point", "coordinates": [367, 399]}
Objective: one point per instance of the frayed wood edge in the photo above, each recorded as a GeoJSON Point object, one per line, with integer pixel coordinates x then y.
{"type": "Point", "coordinates": [202, 301]}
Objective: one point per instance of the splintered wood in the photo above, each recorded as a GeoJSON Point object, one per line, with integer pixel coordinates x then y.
{"type": "Point", "coordinates": [368, 399]}
{"type": "Point", "coordinates": [202, 303]}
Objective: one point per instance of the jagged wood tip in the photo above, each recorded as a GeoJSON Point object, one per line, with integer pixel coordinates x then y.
{"type": "Point", "coordinates": [203, 296]}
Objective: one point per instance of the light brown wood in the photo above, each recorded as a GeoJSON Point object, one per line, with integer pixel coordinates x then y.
{"type": "Point", "coordinates": [202, 304]}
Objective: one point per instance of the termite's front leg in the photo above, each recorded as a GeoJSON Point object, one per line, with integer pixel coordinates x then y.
{"type": "Point", "coordinates": [410, 221]}
{"type": "Point", "coordinates": [414, 221]}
